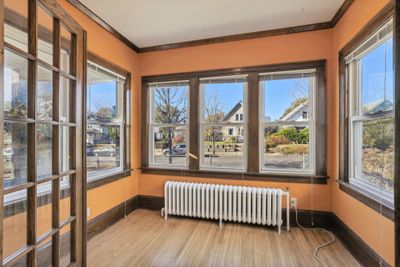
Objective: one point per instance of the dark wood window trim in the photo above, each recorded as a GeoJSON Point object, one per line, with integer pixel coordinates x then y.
{"type": "Point", "coordinates": [372, 201]}
{"type": "Point", "coordinates": [126, 172]}
{"type": "Point", "coordinates": [253, 169]}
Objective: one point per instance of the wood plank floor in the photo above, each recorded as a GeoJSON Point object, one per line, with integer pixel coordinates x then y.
{"type": "Point", "coordinates": [146, 239]}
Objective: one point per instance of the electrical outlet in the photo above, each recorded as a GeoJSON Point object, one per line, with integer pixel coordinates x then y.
{"type": "Point", "coordinates": [87, 212]}
{"type": "Point", "coordinates": [293, 202]}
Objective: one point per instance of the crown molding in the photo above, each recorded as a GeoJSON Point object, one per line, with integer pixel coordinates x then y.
{"type": "Point", "coordinates": [236, 37]}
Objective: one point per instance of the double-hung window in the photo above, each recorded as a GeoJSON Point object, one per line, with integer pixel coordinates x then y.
{"type": "Point", "coordinates": [287, 124]}
{"type": "Point", "coordinates": [370, 80]}
{"type": "Point", "coordinates": [222, 133]}
{"type": "Point", "coordinates": [257, 122]}
{"type": "Point", "coordinates": [106, 122]}
{"type": "Point", "coordinates": [169, 121]}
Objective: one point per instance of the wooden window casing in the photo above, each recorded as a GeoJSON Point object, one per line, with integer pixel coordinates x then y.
{"type": "Point", "coordinates": [252, 172]}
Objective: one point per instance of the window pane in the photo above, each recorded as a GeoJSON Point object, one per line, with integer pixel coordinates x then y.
{"type": "Point", "coordinates": [15, 154]}
{"type": "Point", "coordinates": [223, 100]}
{"type": "Point", "coordinates": [286, 147]}
{"type": "Point", "coordinates": [104, 98]}
{"type": "Point", "coordinates": [16, 23]}
{"type": "Point", "coordinates": [65, 196]}
{"type": "Point", "coordinates": [103, 148]}
{"type": "Point", "coordinates": [15, 222]}
{"type": "Point", "coordinates": [15, 85]}
{"type": "Point", "coordinates": [377, 79]}
{"type": "Point", "coordinates": [44, 254]}
{"type": "Point", "coordinates": [169, 103]}
{"type": "Point", "coordinates": [44, 150]}
{"type": "Point", "coordinates": [287, 100]}
{"type": "Point", "coordinates": [65, 99]}
{"type": "Point", "coordinates": [65, 53]}
{"type": "Point", "coordinates": [65, 250]}
{"type": "Point", "coordinates": [44, 209]}
{"type": "Point", "coordinates": [44, 94]}
{"type": "Point", "coordinates": [377, 153]}
{"type": "Point", "coordinates": [169, 146]}
{"type": "Point", "coordinates": [221, 150]}
{"type": "Point", "coordinates": [45, 34]}
{"type": "Point", "coordinates": [65, 157]}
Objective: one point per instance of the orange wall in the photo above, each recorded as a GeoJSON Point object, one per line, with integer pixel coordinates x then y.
{"type": "Point", "coordinates": [278, 49]}
{"type": "Point", "coordinates": [107, 46]}
{"type": "Point", "coordinates": [376, 230]}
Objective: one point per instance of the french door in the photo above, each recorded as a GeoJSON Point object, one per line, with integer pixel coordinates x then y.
{"type": "Point", "coordinates": [42, 64]}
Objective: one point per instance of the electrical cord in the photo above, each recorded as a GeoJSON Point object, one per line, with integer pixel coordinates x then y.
{"type": "Point", "coordinates": [333, 239]}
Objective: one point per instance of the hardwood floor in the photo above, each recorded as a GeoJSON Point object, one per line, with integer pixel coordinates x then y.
{"type": "Point", "coordinates": [146, 239]}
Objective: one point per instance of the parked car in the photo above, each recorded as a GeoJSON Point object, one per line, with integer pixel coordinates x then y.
{"type": "Point", "coordinates": [176, 150]}
{"type": "Point", "coordinates": [104, 151]}
{"type": "Point", "coordinates": [7, 153]}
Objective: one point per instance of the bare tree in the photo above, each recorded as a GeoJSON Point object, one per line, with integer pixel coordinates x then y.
{"type": "Point", "coordinates": [214, 113]}
{"type": "Point", "coordinates": [169, 108]}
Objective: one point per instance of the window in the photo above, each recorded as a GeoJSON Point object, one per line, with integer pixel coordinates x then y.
{"type": "Point", "coordinates": [287, 136]}
{"type": "Point", "coordinates": [106, 131]}
{"type": "Point", "coordinates": [169, 124]}
{"type": "Point", "coordinates": [222, 101]}
{"type": "Point", "coordinates": [370, 79]}
{"type": "Point", "coordinates": [256, 123]}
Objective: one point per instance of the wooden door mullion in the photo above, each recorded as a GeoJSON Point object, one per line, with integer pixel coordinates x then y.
{"type": "Point", "coordinates": [73, 144]}
{"type": "Point", "coordinates": [32, 172]}
{"type": "Point", "coordinates": [56, 145]}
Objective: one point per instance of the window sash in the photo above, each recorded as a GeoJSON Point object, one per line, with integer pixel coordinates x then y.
{"type": "Point", "coordinates": [310, 123]}
{"type": "Point", "coordinates": [151, 101]}
{"type": "Point", "coordinates": [152, 143]}
{"type": "Point", "coordinates": [203, 124]}
{"type": "Point", "coordinates": [202, 165]}
{"type": "Point", "coordinates": [356, 116]}
{"type": "Point", "coordinates": [119, 122]}
{"type": "Point", "coordinates": [108, 172]}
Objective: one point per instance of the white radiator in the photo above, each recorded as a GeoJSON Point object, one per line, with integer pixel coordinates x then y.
{"type": "Point", "coordinates": [226, 203]}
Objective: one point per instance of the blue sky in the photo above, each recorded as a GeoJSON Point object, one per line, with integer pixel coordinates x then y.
{"type": "Point", "coordinates": [372, 73]}
{"type": "Point", "coordinates": [229, 94]}
{"type": "Point", "coordinates": [104, 94]}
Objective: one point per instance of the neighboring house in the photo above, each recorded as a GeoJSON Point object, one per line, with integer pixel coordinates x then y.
{"type": "Point", "coordinates": [93, 132]}
{"type": "Point", "coordinates": [378, 106]}
{"type": "Point", "coordinates": [234, 115]}
{"type": "Point", "coordinates": [299, 113]}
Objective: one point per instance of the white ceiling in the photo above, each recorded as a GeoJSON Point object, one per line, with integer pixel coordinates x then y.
{"type": "Point", "coordinates": [156, 22]}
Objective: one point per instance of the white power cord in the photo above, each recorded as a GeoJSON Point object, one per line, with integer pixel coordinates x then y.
{"type": "Point", "coordinates": [333, 239]}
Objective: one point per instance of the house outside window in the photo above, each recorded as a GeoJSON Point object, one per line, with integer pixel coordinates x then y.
{"type": "Point", "coordinates": [288, 138]}
{"type": "Point", "coordinates": [222, 101]}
